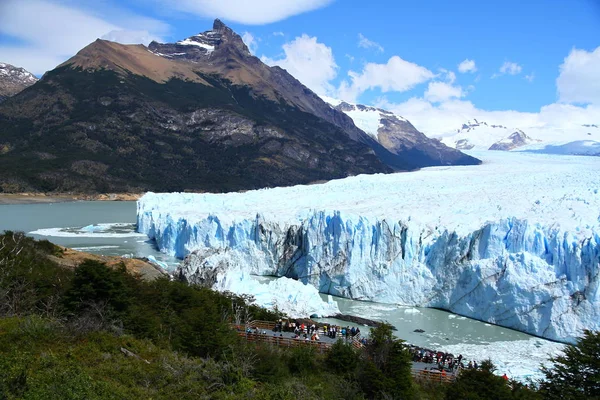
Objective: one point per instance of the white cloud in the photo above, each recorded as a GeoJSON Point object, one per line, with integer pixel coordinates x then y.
{"type": "Point", "coordinates": [396, 75]}
{"type": "Point", "coordinates": [278, 33]}
{"type": "Point", "coordinates": [256, 12]}
{"type": "Point", "coordinates": [450, 75]}
{"type": "Point", "coordinates": [309, 61]}
{"type": "Point", "coordinates": [446, 117]}
{"type": "Point", "coordinates": [467, 66]}
{"type": "Point", "coordinates": [369, 44]}
{"type": "Point", "coordinates": [441, 91]}
{"type": "Point", "coordinates": [579, 78]}
{"type": "Point", "coordinates": [250, 41]}
{"type": "Point", "coordinates": [130, 37]}
{"type": "Point", "coordinates": [530, 77]}
{"type": "Point", "coordinates": [50, 32]}
{"type": "Point", "coordinates": [508, 68]}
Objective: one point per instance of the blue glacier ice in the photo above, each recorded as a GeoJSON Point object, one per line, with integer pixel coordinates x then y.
{"type": "Point", "coordinates": [499, 247]}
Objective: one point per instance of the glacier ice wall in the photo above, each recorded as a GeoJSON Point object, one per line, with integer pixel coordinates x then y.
{"type": "Point", "coordinates": [539, 280]}
{"type": "Point", "coordinates": [524, 256]}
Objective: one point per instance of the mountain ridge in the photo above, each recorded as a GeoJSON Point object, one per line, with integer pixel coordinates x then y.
{"type": "Point", "coordinates": [201, 114]}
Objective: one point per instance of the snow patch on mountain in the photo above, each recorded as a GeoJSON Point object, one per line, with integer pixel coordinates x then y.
{"type": "Point", "coordinates": [482, 135]}
{"type": "Point", "coordinates": [514, 241]}
{"type": "Point", "coordinates": [189, 42]}
{"type": "Point", "coordinates": [368, 119]}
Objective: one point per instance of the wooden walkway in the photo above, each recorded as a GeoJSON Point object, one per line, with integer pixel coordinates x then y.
{"type": "Point", "coordinates": [286, 341]}
{"type": "Point", "coordinates": [423, 375]}
{"type": "Point", "coordinates": [419, 374]}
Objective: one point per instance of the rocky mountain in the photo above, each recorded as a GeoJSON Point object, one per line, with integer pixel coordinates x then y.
{"type": "Point", "coordinates": [13, 80]}
{"type": "Point", "coordinates": [201, 114]}
{"type": "Point", "coordinates": [515, 140]}
{"type": "Point", "coordinates": [399, 136]}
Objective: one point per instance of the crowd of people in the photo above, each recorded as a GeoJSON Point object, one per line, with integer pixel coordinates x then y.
{"type": "Point", "coordinates": [443, 361]}
{"type": "Point", "coordinates": [313, 331]}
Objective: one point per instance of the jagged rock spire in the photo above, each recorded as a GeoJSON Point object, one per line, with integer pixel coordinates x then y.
{"type": "Point", "coordinates": [218, 25]}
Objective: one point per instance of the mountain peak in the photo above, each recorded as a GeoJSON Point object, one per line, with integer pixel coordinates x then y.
{"type": "Point", "coordinates": [200, 47]}
{"type": "Point", "coordinates": [219, 26]}
{"type": "Point", "coordinates": [13, 80]}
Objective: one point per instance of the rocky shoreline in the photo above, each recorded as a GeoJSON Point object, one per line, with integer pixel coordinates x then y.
{"type": "Point", "coordinates": [70, 258]}
{"type": "Point", "coordinates": [41, 198]}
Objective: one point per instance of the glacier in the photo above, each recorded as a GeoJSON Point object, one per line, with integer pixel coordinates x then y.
{"type": "Point", "coordinates": [514, 241]}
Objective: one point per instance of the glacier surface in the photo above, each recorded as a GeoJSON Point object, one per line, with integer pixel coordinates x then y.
{"type": "Point", "coordinates": [514, 242]}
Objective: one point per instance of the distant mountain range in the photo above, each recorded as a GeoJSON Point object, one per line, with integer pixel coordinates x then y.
{"type": "Point", "coordinates": [201, 114]}
{"type": "Point", "coordinates": [13, 80]}
{"type": "Point", "coordinates": [481, 135]}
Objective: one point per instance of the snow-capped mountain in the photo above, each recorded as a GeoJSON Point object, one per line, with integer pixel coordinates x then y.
{"type": "Point", "coordinates": [477, 135]}
{"type": "Point", "coordinates": [515, 140]}
{"type": "Point", "coordinates": [514, 241]}
{"type": "Point", "coordinates": [13, 80]}
{"type": "Point", "coordinates": [481, 135]}
{"type": "Point", "coordinates": [398, 135]}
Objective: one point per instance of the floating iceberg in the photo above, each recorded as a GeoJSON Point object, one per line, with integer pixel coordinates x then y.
{"type": "Point", "coordinates": [514, 242]}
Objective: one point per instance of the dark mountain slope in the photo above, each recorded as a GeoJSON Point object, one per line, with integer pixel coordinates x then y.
{"type": "Point", "coordinates": [101, 131]}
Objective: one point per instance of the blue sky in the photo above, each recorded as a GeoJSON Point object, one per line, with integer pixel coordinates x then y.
{"type": "Point", "coordinates": [399, 54]}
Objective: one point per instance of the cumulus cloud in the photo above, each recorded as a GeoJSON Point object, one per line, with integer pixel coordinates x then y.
{"type": "Point", "coordinates": [449, 76]}
{"type": "Point", "coordinates": [439, 120]}
{"type": "Point", "coordinates": [49, 32]}
{"type": "Point", "coordinates": [396, 75]}
{"type": "Point", "coordinates": [508, 68]}
{"type": "Point", "coordinates": [579, 78]}
{"type": "Point", "coordinates": [467, 66]}
{"type": "Point", "coordinates": [250, 41]}
{"type": "Point", "coordinates": [369, 44]}
{"type": "Point", "coordinates": [530, 77]}
{"type": "Point", "coordinates": [256, 12]}
{"type": "Point", "coordinates": [309, 61]}
{"type": "Point", "coordinates": [441, 110]}
{"type": "Point", "coordinates": [441, 91]}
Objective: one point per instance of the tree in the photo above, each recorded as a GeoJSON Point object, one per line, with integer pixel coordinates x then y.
{"type": "Point", "coordinates": [388, 371]}
{"type": "Point", "coordinates": [480, 384]}
{"type": "Point", "coordinates": [95, 283]}
{"type": "Point", "coordinates": [342, 358]}
{"type": "Point", "coordinates": [576, 374]}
